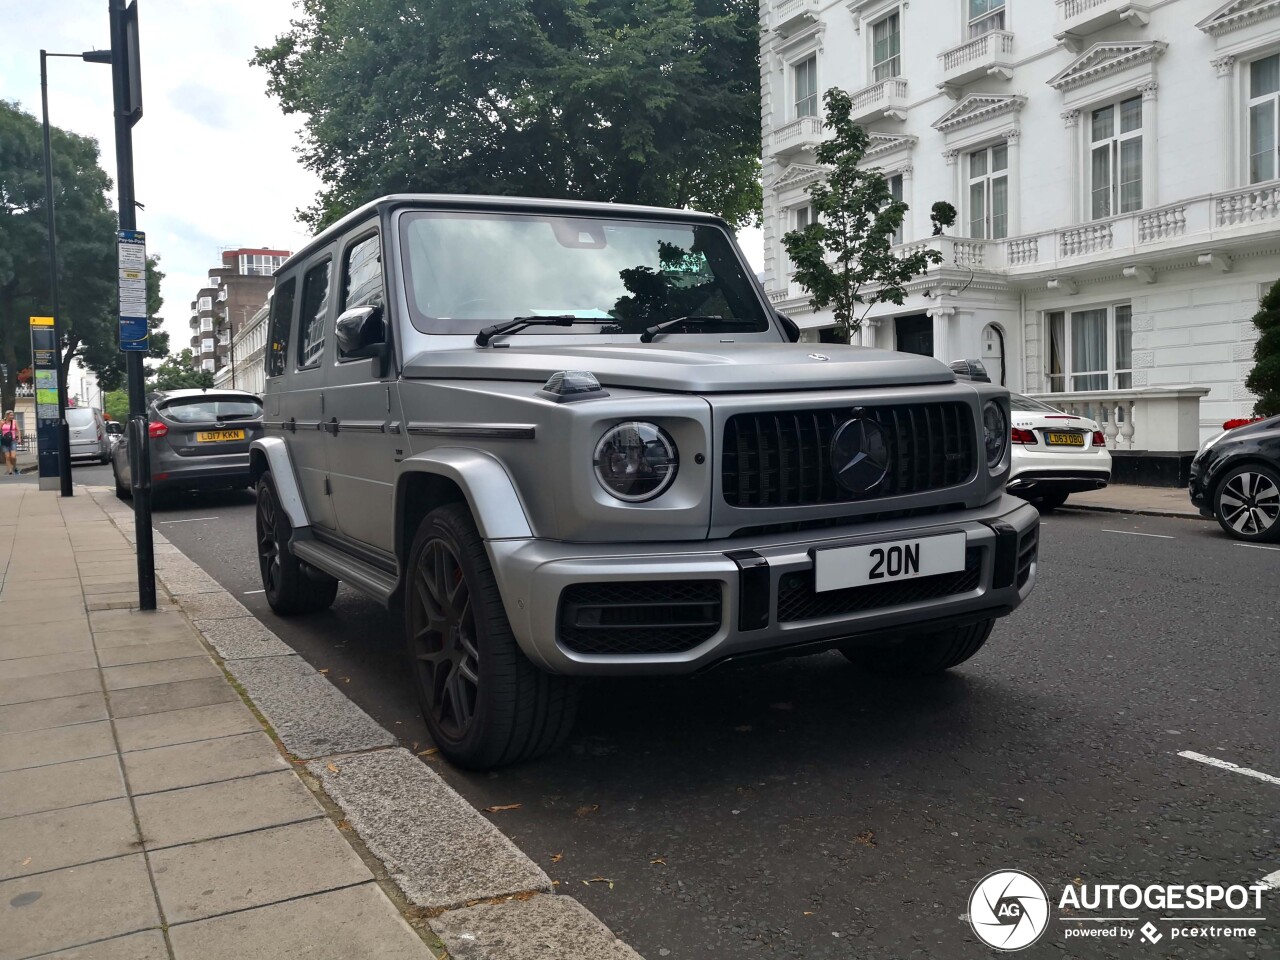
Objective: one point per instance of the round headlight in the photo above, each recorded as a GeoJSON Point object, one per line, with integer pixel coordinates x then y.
{"type": "Point", "coordinates": [636, 461]}
{"type": "Point", "coordinates": [995, 433]}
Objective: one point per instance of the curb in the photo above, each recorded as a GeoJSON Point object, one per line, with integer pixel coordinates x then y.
{"type": "Point", "coordinates": [451, 870]}
{"type": "Point", "coordinates": [1142, 512]}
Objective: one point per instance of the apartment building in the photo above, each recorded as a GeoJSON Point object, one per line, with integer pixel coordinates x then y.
{"type": "Point", "coordinates": [234, 291]}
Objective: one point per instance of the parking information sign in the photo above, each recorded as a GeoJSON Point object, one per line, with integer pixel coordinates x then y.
{"type": "Point", "coordinates": [44, 375]}
{"type": "Point", "coordinates": [131, 247]}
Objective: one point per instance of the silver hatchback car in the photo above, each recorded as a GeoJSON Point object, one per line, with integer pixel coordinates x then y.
{"type": "Point", "coordinates": [198, 439]}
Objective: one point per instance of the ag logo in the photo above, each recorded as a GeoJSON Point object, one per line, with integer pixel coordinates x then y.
{"type": "Point", "coordinates": [1009, 910]}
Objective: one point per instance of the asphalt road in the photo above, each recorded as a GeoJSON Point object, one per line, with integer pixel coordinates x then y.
{"type": "Point", "coordinates": [802, 809]}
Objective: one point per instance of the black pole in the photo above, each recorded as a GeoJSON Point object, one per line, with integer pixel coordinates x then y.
{"type": "Point", "coordinates": [140, 471]}
{"type": "Point", "coordinates": [64, 434]}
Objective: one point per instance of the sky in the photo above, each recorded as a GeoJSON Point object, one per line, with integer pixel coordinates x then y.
{"type": "Point", "coordinates": [215, 160]}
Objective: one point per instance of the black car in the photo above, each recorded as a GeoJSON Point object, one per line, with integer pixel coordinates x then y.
{"type": "Point", "coordinates": [1235, 479]}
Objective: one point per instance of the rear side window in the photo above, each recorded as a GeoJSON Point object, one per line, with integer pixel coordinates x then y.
{"type": "Point", "coordinates": [281, 315]}
{"type": "Point", "coordinates": [315, 307]}
{"type": "Point", "coordinates": [79, 417]}
{"type": "Point", "coordinates": [362, 285]}
{"type": "Point", "coordinates": [209, 409]}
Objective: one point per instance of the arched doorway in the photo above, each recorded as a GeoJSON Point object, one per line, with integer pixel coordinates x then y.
{"type": "Point", "coordinates": [993, 353]}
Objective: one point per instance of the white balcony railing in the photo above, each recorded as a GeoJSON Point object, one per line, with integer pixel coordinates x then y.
{"type": "Point", "coordinates": [887, 98]}
{"type": "Point", "coordinates": [1155, 419]}
{"type": "Point", "coordinates": [790, 15]}
{"type": "Point", "coordinates": [803, 133]}
{"type": "Point", "coordinates": [990, 54]}
{"type": "Point", "coordinates": [1079, 18]}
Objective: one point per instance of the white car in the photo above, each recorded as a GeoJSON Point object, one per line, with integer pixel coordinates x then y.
{"type": "Point", "coordinates": [1055, 454]}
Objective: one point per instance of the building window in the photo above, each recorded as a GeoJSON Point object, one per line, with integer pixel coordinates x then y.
{"type": "Point", "coordinates": [985, 16]}
{"type": "Point", "coordinates": [1264, 102]}
{"type": "Point", "coordinates": [259, 264]}
{"type": "Point", "coordinates": [989, 193]}
{"type": "Point", "coordinates": [895, 191]}
{"type": "Point", "coordinates": [205, 303]}
{"type": "Point", "coordinates": [315, 310]}
{"type": "Point", "coordinates": [806, 83]}
{"type": "Point", "coordinates": [886, 48]}
{"type": "Point", "coordinates": [281, 317]}
{"type": "Point", "coordinates": [1115, 160]}
{"type": "Point", "coordinates": [1090, 349]}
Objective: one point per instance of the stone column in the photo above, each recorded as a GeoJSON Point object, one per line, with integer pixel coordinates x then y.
{"type": "Point", "coordinates": [1226, 69]}
{"type": "Point", "coordinates": [1012, 138]}
{"type": "Point", "coordinates": [1074, 149]}
{"type": "Point", "coordinates": [1150, 146]}
{"type": "Point", "coordinates": [941, 317]}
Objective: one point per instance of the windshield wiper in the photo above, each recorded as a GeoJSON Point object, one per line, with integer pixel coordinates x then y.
{"type": "Point", "coordinates": [657, 328]}
{"type": "Point", "coordinates": [519, 323]}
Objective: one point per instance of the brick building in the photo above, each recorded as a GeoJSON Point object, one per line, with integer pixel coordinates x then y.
{"type": "Point", "coordinates": [233, 293]}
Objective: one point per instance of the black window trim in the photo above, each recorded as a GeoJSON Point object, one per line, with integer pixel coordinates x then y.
{"type": "Point", "coordinates": [294, 278]}
{"type": "Point", "coordinates": [321, 258]}
{"type": "Point", "coordinates": [374, 229]}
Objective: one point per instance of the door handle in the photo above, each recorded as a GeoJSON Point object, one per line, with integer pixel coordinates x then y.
{"type": "Point", "coordinates": [331, 426]}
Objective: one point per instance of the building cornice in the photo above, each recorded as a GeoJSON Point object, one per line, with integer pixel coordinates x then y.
{"type": "Point", "coordinates": [797, 175]}
{"type": "Point", "coordinates": [883, 144]}
{"type": "Point", "coordinates": [1237, 15]}
{"type": "Point", "coordinates": [975, 108]}
{"type": "Point", "coordinates": [1106, 58]}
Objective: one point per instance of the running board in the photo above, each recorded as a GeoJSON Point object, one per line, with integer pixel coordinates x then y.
{"type": "Point", "coordinates": [363, 576]}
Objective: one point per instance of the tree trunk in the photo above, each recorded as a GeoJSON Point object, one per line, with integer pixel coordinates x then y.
{"type": "Point", "coordinates": [8, 392]}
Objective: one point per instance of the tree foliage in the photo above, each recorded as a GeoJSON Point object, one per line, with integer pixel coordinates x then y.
{"type": "Point", "coordinates": [645, 101]}
{"type": "Point", "coordinates": [178, 373]}
{"type": "Point", "coordinates": [844, 259]}
{"type": "Point", "coordinates": [86, 227]}
{"type": "Point", "coordinates": [1264, 379]}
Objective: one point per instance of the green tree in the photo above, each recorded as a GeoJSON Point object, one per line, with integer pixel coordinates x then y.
{"type": "Point", "coordinates": [647, 101]}
{"type": "Point", "coordinates": [86, 227]}
{"type": "Point", "coordinates": [99, 349]}
{"type": "Point", "coordinates": [845, 258]}
{"type": "Point", "coordinates": [178, 373]}
{"type": "Point", "coordinates": [1264, 379]}
{"type": "Point", "coordinates": [115, 404]}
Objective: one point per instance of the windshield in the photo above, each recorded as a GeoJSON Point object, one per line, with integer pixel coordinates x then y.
{"type": "Point", "coordinates": [1026, 405]}
{"type": "Point", "coordinates": [79, 416]}
{"type": "Point", "coordinates": [204, 409]}
{"type": "Point", "coordinates": [467, 270]}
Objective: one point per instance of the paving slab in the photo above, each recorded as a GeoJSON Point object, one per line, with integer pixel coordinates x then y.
{"type": "Point", "coordinates": [40, 748]}
{"type": "Point", "coordinates": [37, 640]}
{"type": "Point", "coordinates": [131, 619]}
{"type": "Point", "coordinates": [255, 869]}
{"type": "Point", "coordinates": [205, 761]}
{"type": "Point", "coordinates": [213, 606]}
{"type": "Point", "coordinates": [148, 945]}
{"type": "Point", "coordinates": [23, 588]}
{"type": "Point", "coordinates": [437, 847]}
{"type": "Point", "coordinates": [222, 809]}
{"type": "Point", "coordinates": [49, 687]}
{"type": "Point", "coordinates": [310, 716]}
{"type": "Point", "coordinates": [49, 663]}
{"type": "Point", "coordinates": [190, 584]}
{"type": "Point", "coordinates": [159, 671]}
{"type": "Point", "coordinates": [151, 652]}
{"type": "Point", "coordinates": [357, 923]}
{"type": "Point", "coordinates": [163, 697]}
{"type": "Point", "coordinates": [75, 906]}
{"type": "Point", "coordinates": [242, 638]}
{"type": "Point", "coordinates": [42, 611]}
{"type": "Point", "coordinates": [42, 714]}
{"type": "Point", "coordinates": [166, 630]}
{"type": "Point", "coordinates": [35, 789]}
{"type": "Point", "coordinates": [39, 842]}
{"type": "Point", "coordinates": [185, 726]}
{"type": "Point", "coordinates": [94, 585]}
{"type": "Point", "coordinates": [534, 929]}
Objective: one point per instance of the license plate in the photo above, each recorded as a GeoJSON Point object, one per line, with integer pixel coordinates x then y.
{"type": "Point", "coordinates": [870, 563]}
{"type": "Point", "coordinates": [216, 436]}
{"type": "Point", "coordinates": [1066, 439]}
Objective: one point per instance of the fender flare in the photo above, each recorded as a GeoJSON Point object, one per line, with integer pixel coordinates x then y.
{"type": "Point", "coordinates": [484, 482]}
{"type": "Point", "coordinates": [272, 454]}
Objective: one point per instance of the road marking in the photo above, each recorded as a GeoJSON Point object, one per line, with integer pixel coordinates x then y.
{"type": "Point", "coordinates": [248, 592]}
{"type": "Point", "coordinates": [1256, 546]}
{"type": "Point", "coordinates": [1271, 880]}
{"type": "Point", "coordinates": [189, 520]}
{"type": "Point", "coordinates": [1134, 533]}
{"type": "Point", "coordinates": [1227, 765]}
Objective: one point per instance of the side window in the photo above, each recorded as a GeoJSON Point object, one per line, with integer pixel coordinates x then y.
{"type": "Point", "coordinates": [281, 315]}
{"type": "Point", "coordinates": [315, 309]}
{"type": "Point", "coordinates": [362, 275]}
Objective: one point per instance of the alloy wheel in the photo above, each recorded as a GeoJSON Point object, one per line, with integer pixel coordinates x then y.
{"type": "Point", "coordinates": [268, 543]}
{"type": "Point", "coordinates": [1250, 503]}
{"type": "Point", "coordinates": [442, 634]}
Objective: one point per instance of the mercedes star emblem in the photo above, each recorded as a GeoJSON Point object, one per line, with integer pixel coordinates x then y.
{"type": "Point", "coordinates": [818, 356]}
{"type": "Point", "coordinates": [859, 455]}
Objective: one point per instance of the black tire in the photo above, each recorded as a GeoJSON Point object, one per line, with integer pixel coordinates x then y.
{"type": "Point", "coordinates": [484, 703]}
{"type": "Point", "coordinates": [922, 653]}
{"type": "Point", "coordinates": [1048, 502]}
{"type": "Point", "coordinates": [122, 491]}
{"type": "Point", "coordinates": [1246, 503]}
{"type": "Point", "coordinates": [289, 589]}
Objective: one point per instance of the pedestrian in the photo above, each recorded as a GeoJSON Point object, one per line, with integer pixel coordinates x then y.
{"type": "Point", "coordinates": [10, 437]}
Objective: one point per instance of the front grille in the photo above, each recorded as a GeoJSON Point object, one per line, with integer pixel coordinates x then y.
{"type": "Point", "coordinates": [797, 599]}
{"type": "Point", "coordinates": [781, 459]}
{"type": "Point", "coordinates": [826, 523]}
{"type": "Point", "coordinates": [1028, 549]}
{"type": "Point", "coordinates": [647, 616]}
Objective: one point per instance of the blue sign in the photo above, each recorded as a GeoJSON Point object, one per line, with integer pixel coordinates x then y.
{"type": "Point", "coordinates": [131, 255]}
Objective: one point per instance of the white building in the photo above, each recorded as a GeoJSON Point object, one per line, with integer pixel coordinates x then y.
{"type": "Point", "coordinates": [1114, 165]}
{"type": "Point", "coordinates": [245, 369]}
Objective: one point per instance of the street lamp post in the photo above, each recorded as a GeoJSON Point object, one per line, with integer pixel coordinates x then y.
{"type": "Point", "coordinates": [64, 435]}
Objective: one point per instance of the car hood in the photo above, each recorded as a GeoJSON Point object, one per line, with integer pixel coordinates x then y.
{"type": "Point", "coordinates": [690, 367]}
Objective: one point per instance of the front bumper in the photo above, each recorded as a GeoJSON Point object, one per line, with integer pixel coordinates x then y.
{"type": "Point", "coordinates": [1198, 488]}
{"type": "Point", "coordinates": [756, 582]}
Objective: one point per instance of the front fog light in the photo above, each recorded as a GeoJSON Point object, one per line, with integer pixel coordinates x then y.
{"type": "Point", "coordinates": [636, 461]}
{"type": "Point", "coordinates": [995, 433]}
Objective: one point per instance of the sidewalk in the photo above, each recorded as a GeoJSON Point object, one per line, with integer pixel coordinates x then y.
{"type": "Point", "coordinates": [1151, 501]}
{"type": "Point", "coordinates": [151, 809]}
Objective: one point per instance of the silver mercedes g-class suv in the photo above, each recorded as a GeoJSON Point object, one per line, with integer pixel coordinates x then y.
{"type": "Point", "coordinates": [573, 439]}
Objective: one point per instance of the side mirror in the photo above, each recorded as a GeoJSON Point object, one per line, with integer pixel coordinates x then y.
{"type": "Point", "coordinates": [789, 327]}
{"type": "Point", "coordinates": [361, 333]}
